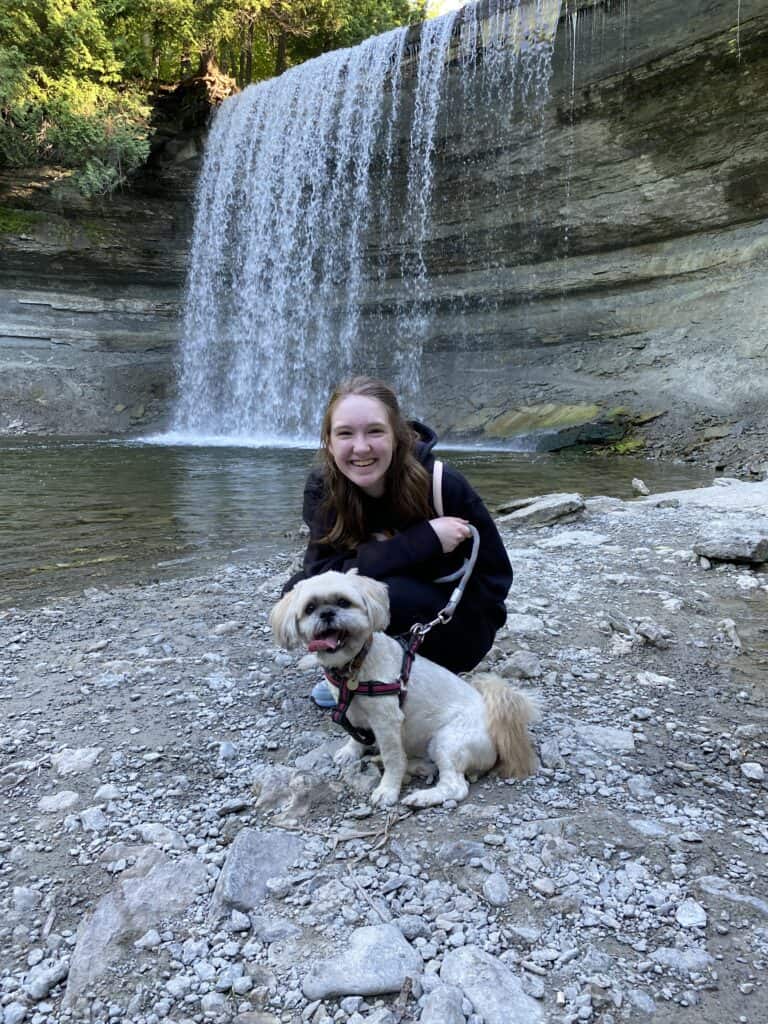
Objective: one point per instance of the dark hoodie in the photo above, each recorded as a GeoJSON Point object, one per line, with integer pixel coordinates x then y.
{"type": "Point", "coordinates": [415, 548]}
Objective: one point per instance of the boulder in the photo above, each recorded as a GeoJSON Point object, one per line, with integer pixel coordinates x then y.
{"type": "Point", "coordinates": [377, 961]}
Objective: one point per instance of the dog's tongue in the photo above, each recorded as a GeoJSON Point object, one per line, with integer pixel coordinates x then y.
{"type": "Point", "coordinates": [327, 642]}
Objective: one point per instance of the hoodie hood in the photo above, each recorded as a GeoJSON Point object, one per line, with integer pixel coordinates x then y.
{"type": "Point", "coordinates": [427, 439]}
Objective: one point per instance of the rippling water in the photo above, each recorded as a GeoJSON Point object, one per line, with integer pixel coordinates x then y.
{"type": "Point", "coordinates": [78, 513]}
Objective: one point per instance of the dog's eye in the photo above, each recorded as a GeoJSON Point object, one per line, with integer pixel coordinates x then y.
{"type": "Point", "coordinates": [310, 608]}
{"type": "Point", "coordinates": [342, 603]}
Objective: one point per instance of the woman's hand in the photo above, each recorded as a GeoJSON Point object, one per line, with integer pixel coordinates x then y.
{"type": "Point", "coordinates": [451, 531]}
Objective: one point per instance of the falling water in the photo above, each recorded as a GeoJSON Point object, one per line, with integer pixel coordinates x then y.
{"type": "Point", "coordinates": [300, 180]}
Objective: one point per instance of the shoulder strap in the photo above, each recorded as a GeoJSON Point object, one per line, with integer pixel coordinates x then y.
{"type": "Point", "coordinates": [437, 487]}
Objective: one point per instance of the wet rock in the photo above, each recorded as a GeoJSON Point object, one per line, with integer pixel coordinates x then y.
{"type": "Point", "coordinates": [640, 487]}
{"type": "Point", "coordinates": [377, 960]}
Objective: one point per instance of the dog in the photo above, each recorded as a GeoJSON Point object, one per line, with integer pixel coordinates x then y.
{"type": "Point", "coordinates": [462, 729]}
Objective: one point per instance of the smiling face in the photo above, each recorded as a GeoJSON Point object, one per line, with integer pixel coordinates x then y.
{"type": "Point", "coordinates": [362, 442]}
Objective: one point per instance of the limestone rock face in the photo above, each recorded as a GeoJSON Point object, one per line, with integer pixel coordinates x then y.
{"type": "Point", "coordinates": [627, 241]}
{"type": "Point", "coordinates": [612, 257]}
{"type": "Point", "coordinates": [89, 307]}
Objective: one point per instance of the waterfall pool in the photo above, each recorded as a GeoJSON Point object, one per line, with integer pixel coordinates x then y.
{"type": "Point", "coordinates": [78, 513]}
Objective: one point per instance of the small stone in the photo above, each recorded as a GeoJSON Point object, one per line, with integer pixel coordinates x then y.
{"type": "Point", "coordinates": [93, 819]}
{"type": "Point", "coordinates": [14, 1013]}
{"type": "Point", "coordinates": [545, 886]}
{"type": "Point", "coordinates": [691, 914]}
{"type": "Point", "coordinates": [64, 800]}
{"type": "Point", "coordinates": [523, 665]}
{"type": "Point", "coordinates": [72, 762]}
{"type": "Point", "coordinates": [496, 889]}
{"type": "Point", "coordinates": [239, 922]}
{"type": "Point", "coordinates": [45, 976]}
{"type": "Point", "coordinates": [149, 940]}
{"type": "Point", "coordinates": [639, 487]}
{"type": "Point", "coordinates": [753, 771]}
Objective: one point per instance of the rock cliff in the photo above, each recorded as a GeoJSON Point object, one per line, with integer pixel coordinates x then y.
{"type": "Point", "coordinates": [615, 256]}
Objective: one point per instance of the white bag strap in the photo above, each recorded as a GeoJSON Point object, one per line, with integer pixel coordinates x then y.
{"type": "Point", "coordinates": [437, 487]}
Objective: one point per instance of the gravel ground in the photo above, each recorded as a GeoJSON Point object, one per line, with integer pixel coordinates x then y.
{"type": "Point", "coordinates": [177, 845]}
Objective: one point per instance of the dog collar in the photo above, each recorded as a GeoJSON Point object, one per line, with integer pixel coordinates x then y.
{"type": "Point", "coordinates": [346, 675]}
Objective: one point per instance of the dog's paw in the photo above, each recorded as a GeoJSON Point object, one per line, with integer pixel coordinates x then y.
{"type": "Point", "coordinates": [308, 663]}
{"type": "Point", "coordinates": [348, 754]}
{"type": "Point", "coordinates": [423, 798]}
{"type": "Point", "coordinates": [384, 796]}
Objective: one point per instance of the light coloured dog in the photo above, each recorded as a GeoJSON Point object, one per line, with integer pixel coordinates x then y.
{"type": "Point", "coordinates": [462, 729]}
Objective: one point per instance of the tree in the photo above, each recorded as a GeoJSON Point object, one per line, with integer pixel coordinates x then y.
{"type": "Point", "coordinates": [75, 75]}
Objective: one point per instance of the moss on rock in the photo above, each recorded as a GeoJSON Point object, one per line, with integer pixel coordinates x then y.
{"type": "Point", "coordinates": [546, 416]}
{"type": "Point", "coordinates": [16, 222]}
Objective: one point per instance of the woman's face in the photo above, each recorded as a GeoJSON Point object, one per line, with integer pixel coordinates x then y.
{"type": "Point", "coordinates": [362, 442]}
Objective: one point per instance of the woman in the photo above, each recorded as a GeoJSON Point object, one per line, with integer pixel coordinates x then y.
{"type": "Point", "coordinates": [369, 507]}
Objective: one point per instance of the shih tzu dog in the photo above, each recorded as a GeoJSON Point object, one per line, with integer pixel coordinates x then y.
{"type": "Point", "coordinates": [462, 728]}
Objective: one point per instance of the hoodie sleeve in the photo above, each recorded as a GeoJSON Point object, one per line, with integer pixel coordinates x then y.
{"type": "Point", "coordinates": [492, 576]}
{"type": "Point", "coordinates": [376, 558]}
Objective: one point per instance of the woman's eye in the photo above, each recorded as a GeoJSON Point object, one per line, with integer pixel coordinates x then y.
{"type": "Point", "coordinates": [343, 602]}
{"type": "Point", "coordinates": [310, 608]}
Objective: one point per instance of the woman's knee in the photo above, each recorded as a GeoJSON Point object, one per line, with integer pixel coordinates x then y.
{"type": "Point", "coordinates": [411, 601]}
{"type": "Point", "coordinates": [457, 647]}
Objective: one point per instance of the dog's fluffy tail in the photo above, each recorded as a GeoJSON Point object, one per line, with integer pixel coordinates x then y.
{"type": "Point", "coordinates": [510, 711]}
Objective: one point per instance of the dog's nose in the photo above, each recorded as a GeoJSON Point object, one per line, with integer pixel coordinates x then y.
{"type": "Point", "coordinates": [327, 614]}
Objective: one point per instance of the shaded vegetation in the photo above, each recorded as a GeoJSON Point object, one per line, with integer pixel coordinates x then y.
{"type": "Point", "coordinates": [76, 75]}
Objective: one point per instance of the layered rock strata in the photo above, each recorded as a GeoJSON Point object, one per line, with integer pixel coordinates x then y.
{"type": "Point", "coordinates": [614, 256]}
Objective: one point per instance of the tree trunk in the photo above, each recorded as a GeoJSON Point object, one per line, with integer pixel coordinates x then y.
{"type": "Point", "coordinates": [249, 54]}
{"type": "Point", "coordinates": [282, 52]}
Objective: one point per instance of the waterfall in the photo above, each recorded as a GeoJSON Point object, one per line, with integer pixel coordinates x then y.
{"type": "Point", "coordinates": [305, 178]}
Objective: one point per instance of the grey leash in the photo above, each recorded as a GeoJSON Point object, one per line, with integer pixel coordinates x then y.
{"type": "Point", "coordinates": [420, 629]}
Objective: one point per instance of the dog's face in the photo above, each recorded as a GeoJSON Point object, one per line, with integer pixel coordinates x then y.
{"type": "Point", "coordinates": [333, 614]}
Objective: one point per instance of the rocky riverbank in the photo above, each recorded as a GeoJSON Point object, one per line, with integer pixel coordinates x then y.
{"type": "Point", "coordinates": [177, 845]}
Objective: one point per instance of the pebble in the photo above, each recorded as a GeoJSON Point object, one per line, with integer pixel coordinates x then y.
{"type": "Point", "coordinates": [691, 914]}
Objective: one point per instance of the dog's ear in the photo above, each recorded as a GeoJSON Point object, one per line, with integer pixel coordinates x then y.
{"type": "Point", "coordinates": [284, 620]}
{"type": "Point", "coordinates": [376, 598]}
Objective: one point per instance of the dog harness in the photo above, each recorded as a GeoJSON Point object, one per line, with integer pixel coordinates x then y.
{"type": "Point", "coordinates": [345, 680]}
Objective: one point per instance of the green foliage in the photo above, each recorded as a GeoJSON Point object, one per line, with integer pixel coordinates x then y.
{"type": "Point", "coordinates": [16, 222]}
{"type": "Point", "coordinates": [75, 74]}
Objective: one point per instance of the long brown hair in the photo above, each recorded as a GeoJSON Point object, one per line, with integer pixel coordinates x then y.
{"type": "Point", "coordinates": [406, 483]}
